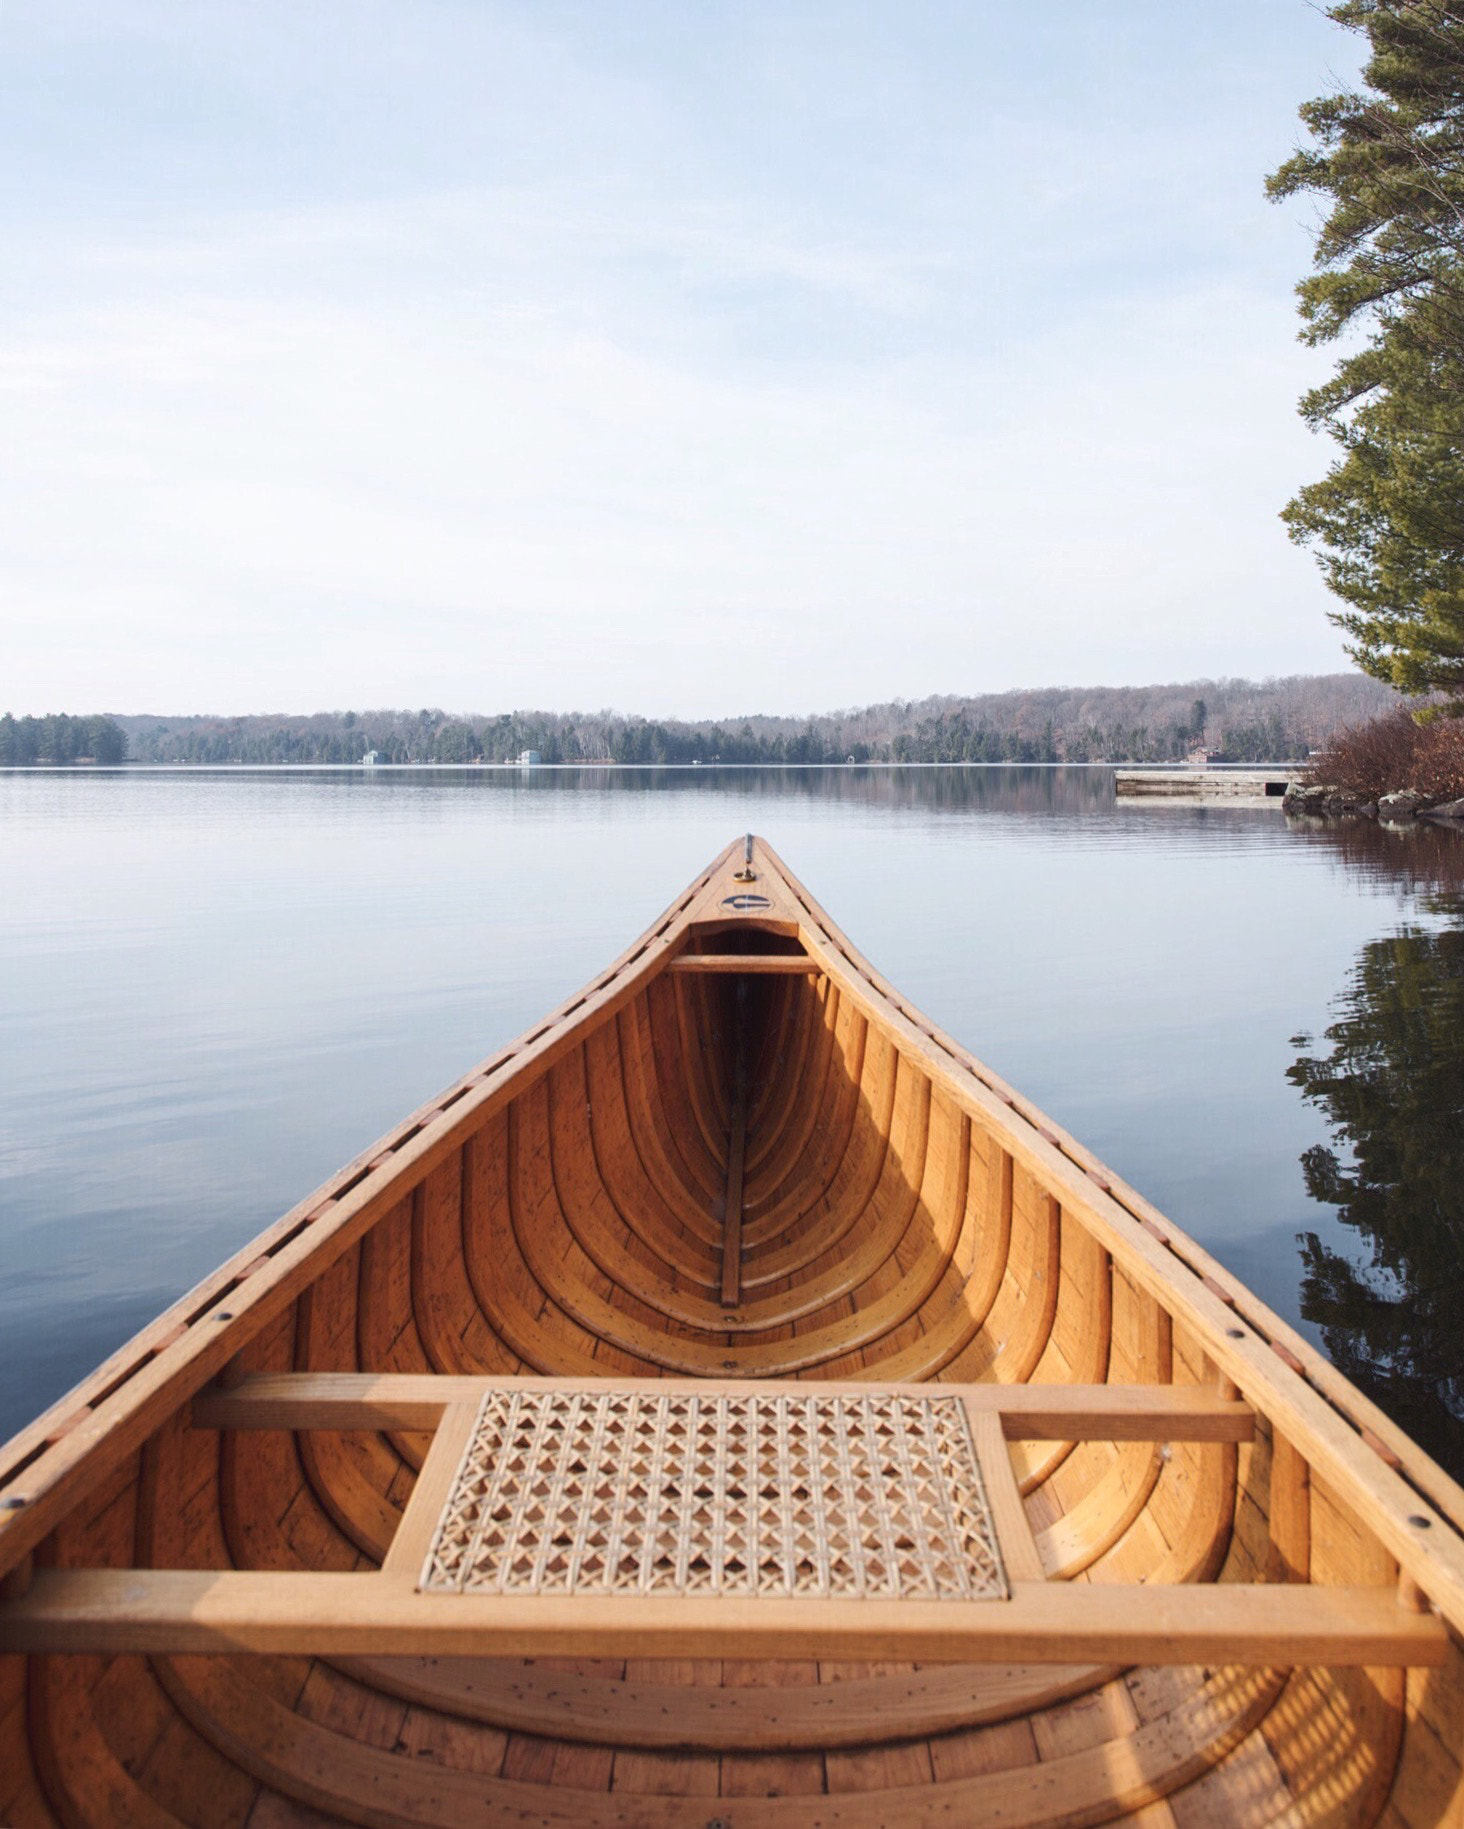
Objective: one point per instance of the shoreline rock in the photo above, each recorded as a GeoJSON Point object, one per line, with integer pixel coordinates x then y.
{"type": "Point", "coordinates": [1321, 799]}
{"type": "Point", "coordinates": [1327, 800]}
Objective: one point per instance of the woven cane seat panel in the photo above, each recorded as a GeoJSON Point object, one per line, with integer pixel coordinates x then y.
{"type": "Point", "coordinates": [631, 1493]}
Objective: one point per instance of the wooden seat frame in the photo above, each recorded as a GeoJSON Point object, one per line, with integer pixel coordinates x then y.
{"type": "Point", "coordinates": [381, 1612]}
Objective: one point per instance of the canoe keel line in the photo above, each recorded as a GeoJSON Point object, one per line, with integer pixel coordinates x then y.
{"type": "Point", "coordinates": [729, 1404]}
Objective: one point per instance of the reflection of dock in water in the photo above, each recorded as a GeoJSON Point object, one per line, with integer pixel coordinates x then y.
{"type": "Point", "coordinates": [1245, 784]}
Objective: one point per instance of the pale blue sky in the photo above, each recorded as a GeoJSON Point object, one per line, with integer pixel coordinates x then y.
{"type": "Point", "coordinates": [693, 358]}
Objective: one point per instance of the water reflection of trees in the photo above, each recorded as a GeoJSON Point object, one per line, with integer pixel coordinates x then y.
{"type": "Point", "coordinates": [1418, 855]}
{"type": "Point", "coordinates": [1015, 789]}
{"type": "Point", "coordinates": [1392, 1090]}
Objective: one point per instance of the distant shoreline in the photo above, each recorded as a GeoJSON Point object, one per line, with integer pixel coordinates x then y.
{"type": "Point", "coordinates": [1226, 721]}
{"type": "Point", "coordinates": [367, 770]}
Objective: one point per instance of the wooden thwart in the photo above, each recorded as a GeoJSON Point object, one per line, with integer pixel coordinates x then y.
{"type": "Point", "coordinates": [334, 1615]}
{"type": "Point", "coordinates": [1028, 1412]}
{"type": "Point", "coordinates": [762, 964]}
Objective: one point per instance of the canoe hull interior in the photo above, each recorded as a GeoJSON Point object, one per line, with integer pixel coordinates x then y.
{"type": "Point", "coordinates": [736, 1156]}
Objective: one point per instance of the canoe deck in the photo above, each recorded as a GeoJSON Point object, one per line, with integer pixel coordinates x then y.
{"type": "Point", "coordinates": [735, 1172]}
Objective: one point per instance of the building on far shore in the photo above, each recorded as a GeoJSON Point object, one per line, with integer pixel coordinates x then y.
{"type": "Point", "coordinates": [371, 758]}
{"type": "Point", "coordinates": [528, 758]}
{"type": "Point", "coordinates": [1200, 757]}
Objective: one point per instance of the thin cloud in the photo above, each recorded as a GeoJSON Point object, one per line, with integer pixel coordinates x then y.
{"type": "Point", "coordinates": [634, 407]}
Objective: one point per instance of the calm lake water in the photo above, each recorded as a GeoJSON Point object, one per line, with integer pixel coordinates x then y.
{"type": "Point", "coordinates": [216, 987]}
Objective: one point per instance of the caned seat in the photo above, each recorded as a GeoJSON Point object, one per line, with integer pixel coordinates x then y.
{"type": "Point", "coordinates": [754, 1493]}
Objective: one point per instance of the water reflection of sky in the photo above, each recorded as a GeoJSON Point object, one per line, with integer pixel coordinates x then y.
{"type": "Point", "coordinates": [215, 987]}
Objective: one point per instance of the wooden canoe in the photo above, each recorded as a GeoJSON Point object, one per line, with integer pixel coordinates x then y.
{"type": "Point", "coordinates": [729, 1404]}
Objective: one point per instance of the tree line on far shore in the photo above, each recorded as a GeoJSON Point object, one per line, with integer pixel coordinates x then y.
{"type": "Point", "coordinates": [1237, 720]}
{"type": "Point", "coordinates": [59, 741]}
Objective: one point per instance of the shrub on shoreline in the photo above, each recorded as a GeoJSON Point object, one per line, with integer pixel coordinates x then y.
{"type": "Point", "coordinates": [1393, 752]}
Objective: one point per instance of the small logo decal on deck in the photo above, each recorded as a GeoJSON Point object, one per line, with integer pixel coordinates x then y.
{"type": "Point", "coordinates": [745, 901]}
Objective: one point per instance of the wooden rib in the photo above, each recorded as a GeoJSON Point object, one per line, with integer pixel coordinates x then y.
{"type": "Point", "coordinates": [386, 1319]}
{"type": "Point", "coordinates": [883, 1164]}
{"type": "Point", "coordinates": [377, 1786]}
{"type": "Point", "coordinates": [1085, 1319]}
{"type": "Point", "coordinates": [702, 1065]}
{"type": "Point", "coordinates": [781, 1089]}
{"type": "Point", "coordinates": [916, 1206]}
{"type": "Point", "coordinates": [706, 1015]}
{"type": "Point", "coordinates": [558, 1267]}
{"type": "Point", "coordinates": [82, 1777]}
{"type": "Point", "coordinates": [385, 1316]}
{"type": "Point", "coordinates": [1334, 1739]}
{"type": "Point", "coordinates": [843, 1242]}
{"type": "Point", "coordinates": [891, 1295]}
{"type": "Point", "coordinates": [658, 1267]}
{"type": "Point", "coordinates": [686, 1251]}
{"type": "Point", "coordinates": [1089, 1529]}
{"type": "Point", "coordinates": [270, 1514]}
{"type": "Point", "coordinates": [118, 1747]}
{"type": "Point", "coordinates": [450, 1325]}
{"type": "Point", "coordinates": [843, 1165]}
{"type": "Point", "coordinates": [777, 1154]}
{"type": "Point", "coordinates": [350, 1477]}
{"type": "Point", "coordinates": [689, 1078]}
{"type": "Point", "coordinates": [1290, 1511]}
{"type": "Point", "coordinates": [512, 1301]}
{"type": "Point", "coordinates": [934, 1699]}
{"type": "Point", "coordinates": [853, 1090]}
{"type": "Point", "coordinates": [1016, 1330]}
{"type": "Point", "coordinates": [769, 1003]}
{"type": "Point", "coordinates": [1200, 1502]}
{"type": "Point", "coordinates": [960, 1307]}
{"type": "Point", "coordinates": [656, 1158]}
{"type": "Point", "coordinates": [656, 1138]}
{"type": "Point", "coordinates": [1128, 1544]}
{"type": "Point", "coordinates": [668, 1078]}
{"type": "Point", "coordinates": [577, 1289]}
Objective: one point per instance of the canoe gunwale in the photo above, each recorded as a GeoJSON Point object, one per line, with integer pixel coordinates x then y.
{"type": "Point", "coordinates": [1412, 1507]}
